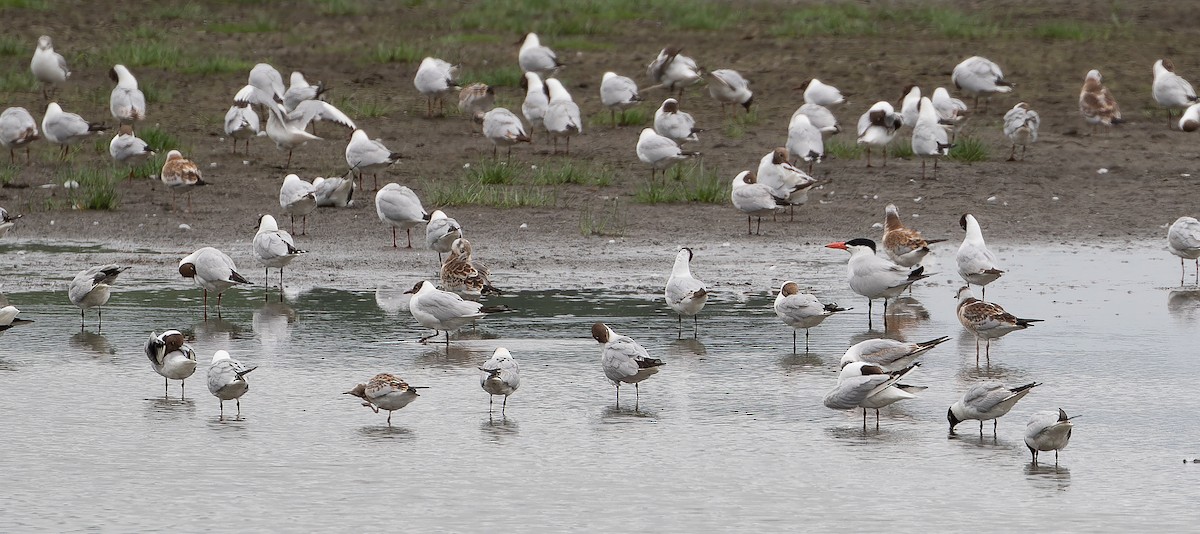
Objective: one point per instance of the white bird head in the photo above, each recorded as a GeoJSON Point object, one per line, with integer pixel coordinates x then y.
{"type": "Point", "coordinates": [420, 288]}
{"type": "Point", "coordinates": [558, 93]}
{"type": "Point", "coordinates": [531, 41]}
{"type": "Point", "coordinates": [1092, 76]}
{"type": "Point", "coordinates": [220, 355]}
{"type": "Point", "coordinates": [174, 154]}
{"type": "Point", "coordinates": [267, 223]}
{"type": "Point", "coordinates": [44, 43]}
{"type": "Point", "coordinates": [963, 294]}
{"type": "Point", "coordinates": [359, 136]}
{"type": "Point", "coordinates": [53, 108]}
{"type": "Point", "coordinates": [502, 354]}
{"type": "Point", "coordinates": [437, 214]}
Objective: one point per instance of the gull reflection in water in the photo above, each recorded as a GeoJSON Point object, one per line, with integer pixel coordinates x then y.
{"type": "Point", "coordinates": [1048, 476]}
{"type": "Point", "coordinates": [271, 321]}
{"type": "Point", "coordinates": [905, 313]}
{"type": "Point", "coordinates": [94, 343]}
{"type": "Point", "coordinates": [1184, 305]}
{"type": "Point", "coordinates": [498, 428]}
{"type": "Point", "coordinates": [686, 348]}
{"type": "Point", "coordinates": [392, 300]}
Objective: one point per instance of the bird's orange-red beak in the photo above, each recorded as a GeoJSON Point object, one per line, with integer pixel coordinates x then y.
{"type": "Point", "coordinates": [839, 244]}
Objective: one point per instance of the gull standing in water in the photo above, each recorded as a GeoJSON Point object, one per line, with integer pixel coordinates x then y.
{"type": "Point", "coordinates": [48, 66]}
{"type": "Point", "coordinates": [399, 207]}
{"type": "Point", "coordinates": [227, 380]}
{"type": "Point", "coordinates": [1096, 103]}
{"type": "Point", "coordinates": [987, 321]}
{"type": "Point", "coordinates": [659, 152]}
{"type": "Point", "coordinates": [17, 130]}
{"type": "Point", "coordinates": [801, 310]}
{"type": "Point", "coordinates": [866, 386]}
{"type": "Point", "coordinates": [90, 289]}
{"type": "Point", "coordinates": [180, 175]}
{"type": "Point", "coordinates": [435, 80]}
{"type": "Point", "coordinates": [877, 127]}
{"type": "Point", "coordinates": [562, 117]}
{"type": "Point", "coordinates": [1183, 240]}
{"type": "Point", "coordinates": [904, 246]}
{"type": "Point", "coordinates": [889, 354]}
{"type": "Point", "coordinates": [127, 103]}
{"type": "Point", "coordinates": [1021, 126]}
{"type": "Point", "coordinates": [462, 275]}
{"type": "Point", "coordinates": [624, 360]}
{"type": "Point", "coordinates": [684, 293]}
{"type": "Point", "coordinates": [385, 392]}
{"type": "Point", "coordinates": [503, 128]}
{"type": "Point", "coordinates": [366, 155]}
{"type": "Point", "coordinates": [986, 401]}
{"type": "Point", "coordinates": [874, 277]}
{"type": "Point", "coordinates": [500, 375]}
{"type": "Point", "coordinates": [618, 93]}
{"type": "Point", "coordinates": [441, 232]}
{"type": "Point", "coordinates": [1048, 431]}
{"type": "Point", "coordinates": [171, 358]}
{"type": "Point", "coordinates": [534, 57]}
{"type": "Point", "coordinates": [443, 311]}
{"type": "Point", "coordinates": [929, 138]}
{"type": "Point", "coordinates": [1170, 90]}
{"type": "Point", "coordinates": [978, 76]}
{"type": "Point", "coordinates": [976, 263]}
{"type": "Point", "coordinates": [729, 87]}
{"type": "Point", "coordinates": [673, 70]}
{"type": "Point", "coordinates": [274, 248]}
{"type": "Point", "coordinates": [679, 126]}
{"type": "Point", "coordinates": [66, 129]}
{"type": "Point", "coordinates": [211, 270]}
{"type": "Point", "coordinates": [754, 199]}
{"type": "Point", "coordinates": [298, 198]}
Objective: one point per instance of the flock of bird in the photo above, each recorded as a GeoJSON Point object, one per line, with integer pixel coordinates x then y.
{"type": "Point", "coordinates": [871, 372]}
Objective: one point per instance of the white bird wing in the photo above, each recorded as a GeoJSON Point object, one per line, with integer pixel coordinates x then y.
{"type": "Point", "coordinates": [445, 305]}
{"type": "Point", "coordinates": [852, 391]}
{"type": "Point", "coordinates": [754, 197]}
{"type": "Point", "coordinates": [1184, 234]}
{"type": "Point", "coordinates": [319, 110]}
{"type": "Point", "coordinates": [986, 396]}
{"type": "Point", "coordinates": [620, 358]}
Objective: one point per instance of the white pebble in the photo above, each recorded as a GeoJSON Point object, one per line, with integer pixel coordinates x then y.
{"type": "Point", "coordinates": [1102, 171]}
{"type": "Point", "coordinates": [466, 165]}
{"type": "Point", "coordinates": [245, 162]}
{"type": "Point", "coordinates": [524, 225]}
{"type": "Point", "coordinates": [51, 223]}
{"type": "Point", "coordinates": [916, 215]}
{"type": "Point", "coordinates": [612, 241]}
{"type": "Point", "coordinates": [1053, 198]}
{"type": "Point", "coordinates": [876, 226]}
{"type": "Point", "coordinates": [184, 226]}
{"type": "Point", "coordinates": [771, 268]}
{"type": "Point", "coordinates": [48, 186]}
{"type": "Point", "coordinates": [71, 184]}
{"type": "Point", "coordinates": [95, 223]}
{"type": "Point", "coordinates": [991, 200]}
{"type": "Point", "coordinates": [1186, 175]}
{"type": "Point", "coordinates": [918, 199]}
{"type": "Point", "coordinates": [212, 165]}
{"type": "Point", "coordinates": [725, 244]}
{"type": "Point", "coordinates": [876, 197]}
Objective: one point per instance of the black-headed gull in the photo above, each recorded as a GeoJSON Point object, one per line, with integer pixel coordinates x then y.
{"type": "Point", "coordinates": [17, 130]}
{"type": "Point", "coordinates": [684, 293]}
{"type": "Point", "coordinates": [90, 289]}
{"type": "Point", "coordinates": [950, 110]}
{"type": "Point", "coordinates": [503, 128]}
{"type": "Point", "coordinates": [443, 311]}
{"type": "Point", "coordinates": [1170, 90]}
{"type": "Point", "coordinates": [274, 248]}
{"type": "Point", "coordinates": [929, 138]}
{"type": "Point", "coordinates": [537, 100]}
{"type": "Point", "coordinates": [300, 90]}
{"type": "Point", "coordinates": [7, 221]}
{"type": "Point", "coordinates": [875, 277]}
{"type": "Point", "coordinates": [48, 66]}
{"type": "Point", "coordinates": [1048, 431]}
{"type": "Point", "coordinates": [1096, 103]}
{"type": "Point", "coordinates": [268, 84]}
{"type": "Point", "coordinates": [820, 117]}
{"type": "Point", "coordinates": [180, 175]}
{"type": "Point", "coordinates": [821, 94]}
{"type": "Point", "coordinates": [727, 86]}
{"type": "Point", "coordinates": [624, 360]}
{"type": "Point", "coordinates": [385, 392]}
{"type": "Point", "coordinates": [227, 380]}
{"type": "Point", "coordinates": [287, 132]}
{"type": "Point", "coordinates": [1021, 127]}
{"type": "Point", "coordinates": [1189, 122]}
{"type": "Point", "coordinates": [979, 76]}
{"type": "Point", "coordinates": [127, 103]}
{"type": "Point", "coordinates": [298, 198]}
{"type": "Point", "coordinates": [866, 386]}
{"type": "Point", "coordinates": [904, 246]}
{"type": "Point", "coordinates": [673, 70]}
{"type": "Point", "coordinates": [798, 309]}
{"type": "Point", "coordinates": [976, 263]}
{"type": "Point", "coordinates": [66, 129]}
{"type": "Point", "coordinates": [1183, 240]}
{"type": "Point", "coordinates": [475, 100]}
{"type": "Point", "coordinates": [659, 152]}
{"type": "Point", "coordinates": [986, 401]}
{"type": "Point", "coordinates": [562, 116]}
{"type": "Point", "coordinates": [533, 57]}
{"type": "Point", "coordinates": [670, 122]}
{"type": "Point", "coordinates": [987, 320]}
{"type": "Point", "coordinates": [211, 270]}
{"type": "Point", "coordinates": [785, 180]}
{"type": "Point", "coordinates": [754, 199]}
{"type": "Point", "coordinates": [171, 357]}
{"type": "Point", "coordinates": [462, 275]}
{"type": "Point", "coordinates": [877, 127]}
{"type": "Point", "coordinates": [500, 375]}
{"type": "Point", "coordinates": [889, 354]}
{"type": "Point", "coordinates": [435, 80]}
{"type": "Point", "coordinates": [804, 141]}
{"type": "Point", "coordinates": [618, 93]}
{"type": "Point", "coordinates": [366, 155]}
{"type": "Point", "coordinates": [910, 102]}
{"type": "Point", "coordinates": [333, 192]}
{"type": "Point", "coordinates": [129, 149]}
{"type": "Point", "coordinates": [440, 233]}
{"type": "Point", "coordinates": [241, 121]}
{"type": "Point", "coordinates": [399, 207]}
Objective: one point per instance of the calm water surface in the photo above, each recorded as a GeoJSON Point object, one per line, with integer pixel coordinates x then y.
{"type": "Point", "coordinates": [731, 435]}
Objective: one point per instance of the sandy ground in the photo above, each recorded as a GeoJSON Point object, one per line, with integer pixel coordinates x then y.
{"type": "Point", "coordinates": [1055, 195]}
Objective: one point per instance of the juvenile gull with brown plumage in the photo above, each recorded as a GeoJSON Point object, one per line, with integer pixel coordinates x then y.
{"type": "Point", "coordinates": [987, 320]}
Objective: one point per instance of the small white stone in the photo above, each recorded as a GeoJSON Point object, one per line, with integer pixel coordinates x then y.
{"type": "Point", "coordinates": [184, 226]}
{"type": "Point", "coordinates": [612, 241]}
{"type": "Point", "coordinates": [71, 184]}
{"type": "Point", "coordinates": [1102, 171]}
{"type": "Point", "coordinates": [524, 225]}
{"type": "Point", "coordinates": [534, 167]}
{"type": "Point", "coordinates": [771, 268]}
{"type": "Point", "coordinates": [212, 165]}
{"type": "Point", "coordinates": [51, 223]}
{"type": "Point", "coordinates": [1054, 198]}
{"type": "Point", "coordinates": [992, 199]}
{"type": "Point", "coordinates": [725, 244]}
{"type": "Point", "coordinates": [876, 197]}
{"type": "Point", "coordinates": [916, 215]}
{"type": "Point", "coordinates": [48, 186]}
{"type": "Point", "coordinates": [95, 223]}
{"type": "Point", "coordinates": [876, 226]}
{"type": "Point", "coordinates": [466, 165]}
{"type": "Point", "coordinates": [918, 199]}
{"type": "Point", "coordinates": [1186, 175]}
{"type": "Point", "coordinates": [245, 162]}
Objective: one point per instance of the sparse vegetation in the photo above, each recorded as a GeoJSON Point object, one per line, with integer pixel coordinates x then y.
{"type": "Point", "coordinates": [638, 116]}
{"type": "Point", "coordinates": [506, 76]}
{"type": "Point", "coordinates": [607, 220]}
{"type": "Point", "coordinates": [260, 23]}
{"type": "Point", "coordinates": [588, 17]}
{"type": "Point", "coordinates": [836, 148]}
{"type": "Point", "coordinates": [492, 173]}
{"type": "Point", "coordinates": [205, 65]}
{"type": "Point", "coordinates": [37, 5]}
{"type": "Point", "coordinates": [900, 148]}
{"type": "Point", "coordinates": [94, 188]}
{"type": "Point", "coordinates": [465, 193]}
{"type": "Point", "coordinates": [397, 53]}
{"type": "Point", "coordinates": [684, 183]}
{"type": "Point", "coordinates": [365, 107]}
{"type": "Point", "coordinates": [8, 173]}
{"type": "Point", "coordinates": [340, 8]}
{"type": "Point", "coordinates": [18, 82]}
{"type": "Point", "coordinates": [11, 46]}
{"type": "Point", "coordinates": [572, 172]}
{"type": "Point", "coordinates": [968, 149]}
{"type": "Point", "coordinates": [736, 127]}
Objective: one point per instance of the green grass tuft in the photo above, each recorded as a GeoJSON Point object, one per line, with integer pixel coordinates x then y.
{"type": "Point", "coordinates": [208, 65]}
{"type": "Point", "coordinates": [684, 183]}
{"type": "Point", "coordinates": [736, 127]}
{"type": "Point", "coordinates": [362, 107]}
{"type": "Point", "coordinates": [560, 18]}
{"type": "Point", "coordinates": [11, 46]}
{"type": "Point", "coordinates": [841, 149]}
{"type": "Point", "coordinates": [261, 23]}
{"type": "Point", "coordinates": [574, 173]}
{"type": "Point", "coordinates": [18, 81]}
{"type": "Point", "coordinates": [158, 139]}
{"type": "Point", "coordinates": [606, 221]}
{"type": "Point", "coordinates": [630, 117]}
{"type": "Point", "coordinates": [855, 20]}
{"type": "Point", "coordinates": [968, 149]}
{"type": "Point", "coordinates": [492, 173]}
{"type": "Point", "coordinates": [188, 11]}
{"type": "Point", "coordinates": [397, 53]}
{"type": "Point", "coordinates": [36, 5]}
{"type": "Point", "coordinates": [451, 193]}
{"type": "Point", "coordinates": [901, 148]}
{"type": "Point", "coordinates": [8, 173]}
{"type": "Point", "coordinates": [97, 188]}
{"type": "Point", "coordinates": [156, 93]}
{"type": "Point", "coordinates": [339, 8]}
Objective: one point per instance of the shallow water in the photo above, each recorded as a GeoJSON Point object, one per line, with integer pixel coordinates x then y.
{"type": "Point", "coordinates": [732, 431]}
